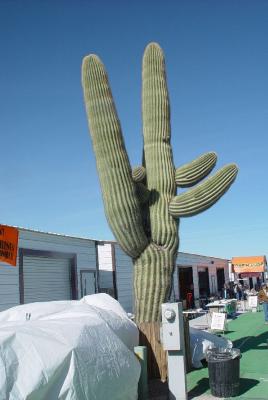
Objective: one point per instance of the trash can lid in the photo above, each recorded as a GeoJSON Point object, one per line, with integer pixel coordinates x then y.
{"type": "Point", "coordinates": [219, 354]}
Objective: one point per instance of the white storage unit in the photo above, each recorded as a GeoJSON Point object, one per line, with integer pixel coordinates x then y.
{"type": "Point", "coordinates": [58, 267]}
{"type": "Point", "coordinates": [199, 263]}
{"type": "Point", "coordinates": [49, 267]}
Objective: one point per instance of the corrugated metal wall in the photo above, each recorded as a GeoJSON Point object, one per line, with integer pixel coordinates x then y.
{"type": "Point", "coordinates": [124, 279]}
{"type": "Point", "coordinates": [9, 286]}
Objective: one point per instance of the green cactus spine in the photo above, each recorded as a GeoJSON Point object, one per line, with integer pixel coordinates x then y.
{"type": "Point", "coordinates": [141, 205]}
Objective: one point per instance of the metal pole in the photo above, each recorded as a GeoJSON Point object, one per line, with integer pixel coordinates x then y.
{"type": "Point", "coordinates": [176, 376]}
{"type": "Point", "coordinates": [173, 342]}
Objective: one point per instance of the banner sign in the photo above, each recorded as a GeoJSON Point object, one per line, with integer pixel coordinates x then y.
{"type": "Point", "coordinates": [249, 264]}
{"type": "Point", "coordinates": [218, 321]}
{"type": "Point", "coordinates": [9, 237]}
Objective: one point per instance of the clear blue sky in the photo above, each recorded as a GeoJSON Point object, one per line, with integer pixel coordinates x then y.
{"type": "Point", "coordinates": [217, 66]}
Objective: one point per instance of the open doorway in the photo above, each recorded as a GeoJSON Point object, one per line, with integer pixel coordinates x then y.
{"type": "Point", "coordinates": [203, 282]}
{"type": "Point", "coordinates": [186, 283]}
{"type": "Point", "coordinates": [250, 283]}
{"type": "Point", "coordinates": [220, 279]}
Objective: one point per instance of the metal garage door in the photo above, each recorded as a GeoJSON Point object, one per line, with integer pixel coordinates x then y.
{"type": "Point", "coordinates": [46, 279]}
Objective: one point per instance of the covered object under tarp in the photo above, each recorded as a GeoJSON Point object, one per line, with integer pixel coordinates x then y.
{"type": "Point", "coordinates": [68, 350]}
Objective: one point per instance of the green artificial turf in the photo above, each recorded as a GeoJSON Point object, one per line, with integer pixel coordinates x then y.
{"type": "Point", "coordinates": [248, 333]}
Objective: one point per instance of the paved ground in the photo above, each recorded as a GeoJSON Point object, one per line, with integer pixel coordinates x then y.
{"type": "Point", "coordinates": [250, 335]}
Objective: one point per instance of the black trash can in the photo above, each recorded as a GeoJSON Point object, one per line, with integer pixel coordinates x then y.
{"type": "Point", "coordinates": [224, 371]}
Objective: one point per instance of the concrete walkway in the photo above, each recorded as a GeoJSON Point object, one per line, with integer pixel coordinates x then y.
{"type": "Point", "coordinates": [248, 333]}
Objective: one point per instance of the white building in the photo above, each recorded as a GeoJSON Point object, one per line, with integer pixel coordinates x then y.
{"type": "Point", "coordinates": [49, 267]}
{"type": "Point", "coordinates": [58, 267]}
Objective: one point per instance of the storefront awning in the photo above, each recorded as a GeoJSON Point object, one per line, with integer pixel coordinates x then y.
{"type": "Point", "coordinates": [249, 264]}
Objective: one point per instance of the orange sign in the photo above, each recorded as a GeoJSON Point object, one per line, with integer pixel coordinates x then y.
{"type": "Point", "coordinates": [8, 244]}
{"type": "Point", "coordinates": [249, 264]}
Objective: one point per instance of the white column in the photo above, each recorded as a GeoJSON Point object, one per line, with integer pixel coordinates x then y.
{"type": "Point", "coordinates": [195, 282]}
{"type": "Point", "coordinates": [212, 273]}
{"type": "Point", "coordinates": [231, 274]}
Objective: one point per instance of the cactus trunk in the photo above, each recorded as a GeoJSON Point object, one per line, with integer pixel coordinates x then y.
{"type": "Point", "coordinates": [153, 272]}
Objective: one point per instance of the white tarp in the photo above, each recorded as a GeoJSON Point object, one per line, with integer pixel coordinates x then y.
{"type": "Point", "coordinates": [71, 350]}
{"type": "Point", "coordinates": [201, 341]}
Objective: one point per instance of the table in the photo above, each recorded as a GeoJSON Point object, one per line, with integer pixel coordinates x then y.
{"type": "Point", "coordinates": [228, 306]}
{"type": "Point", "coordinates": [190, 315]}
{"type": "Point", "coordinates": [194, 313]}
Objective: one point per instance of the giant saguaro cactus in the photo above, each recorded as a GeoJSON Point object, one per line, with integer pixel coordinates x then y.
{"type": "Point", "coordinates": [141, 205]}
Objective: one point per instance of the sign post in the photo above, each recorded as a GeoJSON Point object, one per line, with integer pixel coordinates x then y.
{"type": "Point", "coordinates": [253, 303]}
{"type": "Point", "coordinates": [218, 322]}
{"type": "Point", "coordinates": [9, 237]}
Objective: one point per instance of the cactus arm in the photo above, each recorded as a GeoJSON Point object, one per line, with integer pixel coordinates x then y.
{"type": "Point", "coordinates": [158, 157]}
{"type": "Point", "coordinates": [118, 189]}
{"type": "Point", "coordinates": [138, 174]}
{"type": "Point", "coordinates": [190, 174]}
{"type": "Point", "coordinates": [204, 195]}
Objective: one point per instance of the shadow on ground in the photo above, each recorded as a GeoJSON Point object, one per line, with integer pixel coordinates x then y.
{"type": "Point", "coordinates": [252, 342]}
{"type": "Point", "coordinates": [203, 386]}
{"type": "Point", "coordinates": [157, 389]}
{"type": "Point", "coordinates": [246, 384]}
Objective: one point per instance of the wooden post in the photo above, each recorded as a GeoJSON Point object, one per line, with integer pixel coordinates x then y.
{"type": "Point", "coordinates": [156, 356]}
